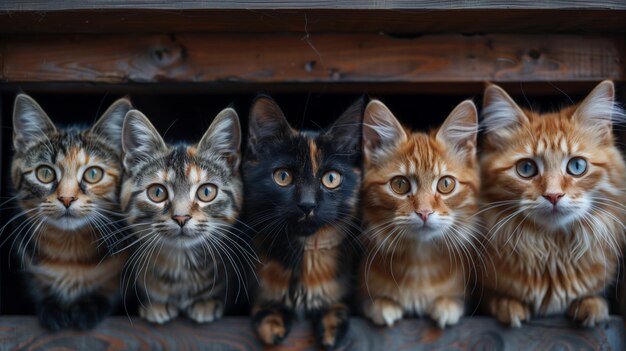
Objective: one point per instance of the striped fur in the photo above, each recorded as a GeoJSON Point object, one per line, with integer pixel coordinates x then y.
{"type": "Point", "coordinates": [183, 267]}
{"type": "Point", "coordinates": [66, 250]}
{"type": "Point", "coordinates": [414, 266]}
{"type": "Point", "coordinates": [551, 259]}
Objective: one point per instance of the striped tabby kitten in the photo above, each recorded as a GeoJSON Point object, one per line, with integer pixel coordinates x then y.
{"type": "Point", "coordinates": [554, 204]}
{"type": "Point", "coordinates": [301, 199]}
{"type": "Point", "coordinates": [420, 192]}
{"type": "Point", "coordinates": [182, 201]}
{"type": "Point", "coordinates": [67, 183]}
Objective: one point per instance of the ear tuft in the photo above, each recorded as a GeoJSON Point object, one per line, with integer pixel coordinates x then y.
{"type": "Point", "coordinates": [500, 114]}
{"type": "Point", "coordinates": [30, 123]}
{"type": "Point", "coordinates": [266, 123]}
{"type": "Point", "coordinates": [140, 140]}
{"type": "Point", "coordinates": [598, 111]}
{"type": "Point", "coordinates": [381, 131]}
{"type": "Point", "coordinates": [346, 131]}
{"type": "Point", "coordinates": [460, 129]}
{"type": "Point", "coordinates": [109, 126]}
{"type": "Point", "coordinates": [223, 138]}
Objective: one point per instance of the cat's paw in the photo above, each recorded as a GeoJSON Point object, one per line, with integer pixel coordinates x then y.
{"type": "Point", "coordinates": [205, 311]}
{"type": "Point", "coordinates": [589, 311]}
{"type": "Point", "coordinates": [383, 311]}
{"type": "Point", "coordinates": [332, 327]}
{"type": "Point", "coordinates": [88, 312]}
{"type": "Point", "coordinates": [53, 316]}
{"type": "Point", "coordinates": [272, 325]}
{"type": "Point", "coordinates": [158, 313]}
{"type": "Point", "coordinates": [509, 311]}
{"type": "Point", "coordinates": [446, 311]}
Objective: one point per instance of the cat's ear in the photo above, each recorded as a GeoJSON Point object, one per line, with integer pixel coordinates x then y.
{"type": "Point", "coordinates": [109, 125]}
{"type": "Point", "coordinates": [460, 129]}
{"type": "Point", "coordinates": [381, 131]}
{"type": "Point", "coordinates": [140, 140]}
{"type": "Point", "coordinates": [30, 123]}
{"type": "Point", "coordinates": [346, 131]}
{"type": "Point", "coordinates": [501, 115]}
{"type": "Point", "coordinates": [598, 110]}
{"type": "Point", "coordinates": [266, 122]}
{"type": "Point", "coordinates": [223, 138]}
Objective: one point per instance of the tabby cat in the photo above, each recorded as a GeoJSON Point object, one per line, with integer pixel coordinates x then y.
{"type": "Point", "coordinates": [554, 192]}
{"type": "Point", "coordinates": [182, 202]}
{"type": "Point", "coordinates": [419, 197]}
{"type": "Point", "coordinates": [301, 199]}
{"type": "Point", "coordinates": [67, 183]}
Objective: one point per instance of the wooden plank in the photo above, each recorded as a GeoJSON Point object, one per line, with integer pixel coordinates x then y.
{"type": "Point", "coordinates": [315, 21]}
{"type": "Point", "coordinates": [320, 58]}
{"type": "Point", "coordinates": [118, 333]}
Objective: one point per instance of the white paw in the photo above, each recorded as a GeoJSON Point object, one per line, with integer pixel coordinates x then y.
{"type": "Point", "coordinates": [205, 311]}
{"type": "Point", "coordinates": [383, 311]}
{"type": "Point", "coordinates": [446, 312]}
{"type": "Point", "coordinates": [158, 313]}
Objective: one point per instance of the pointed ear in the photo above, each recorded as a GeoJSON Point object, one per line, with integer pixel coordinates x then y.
{"type": "Point", "coordinates": [30, 123]}
{"type": "Point", "coordinates": [266, 123]}
{"type": "Point", "coordinates": [501, 114]}
{"type": "Point", "coordinates": [109, 126]}
{"type": "Point", "coordinates": [598, 110]}
{"type": "Point", "coordinates": [140, 140]}
{"type": "Point", "coordinates": [346, 131]}
{"type": "Point", "coordinates": [381, 131]}
{"type": "Point", "coordinates": [460, 129]}
{"type": "Point", "coordinates": [223, 138]}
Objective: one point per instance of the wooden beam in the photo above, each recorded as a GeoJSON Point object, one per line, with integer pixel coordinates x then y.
{"type": "Point", "coordinates": [118, 333]}
{"type": "Point", "coordinates": [320, 58]}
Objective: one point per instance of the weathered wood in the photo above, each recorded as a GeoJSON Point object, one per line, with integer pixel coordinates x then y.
{"type": "Point", "coordinates": [321, 58]}
{"type": "Point", "coordinates": [315, 20]}
{"type": "Point", "coordinates": [482, 333]}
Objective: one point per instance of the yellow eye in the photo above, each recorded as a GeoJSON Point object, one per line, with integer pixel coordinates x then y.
{"type": "Point", "coordinates": [446, 185]}
{"type": "Point", "coordinates": [157, 193]}
{"type": "Point", "coordinates": [332, 179]}
{"type": "Point", "coordinates": [93, 175]}
{"type": "Point", "coordinates": [45, 174]}
{"type": "Point", "coordinates": [283, 177]}
{"type": "Point", "coordinates": [400, 185]}
{"type": "Point", "coordinates": [206, 192]}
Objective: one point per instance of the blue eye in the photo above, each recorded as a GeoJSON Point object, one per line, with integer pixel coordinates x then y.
{"type": "Point", "coordinates": [526, 168]}
{"type": "Point", "coordinates": [577, 166]}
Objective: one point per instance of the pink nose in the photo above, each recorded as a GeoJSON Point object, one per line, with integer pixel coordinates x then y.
{"type": "Point", "coordinates": [424, 214]}
{"type": "Point", "coordinates": [66, 201]}
{"type": "Point", "coordinates": [181, 220]}
{"type": "Point", "coordinates": [553, 197]}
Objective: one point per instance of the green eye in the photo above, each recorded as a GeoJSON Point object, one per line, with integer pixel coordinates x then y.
{"type": "Point", "coordinates": [157, 193]}
{"type": "Point", "coordinates": [577, 166]}
{"type": "Point", "coordinates": [45, 174]}
{"type": "Point", "coordinates": [332, 179]}
{"type": "Point", "coordinates": [93, 175]}
{"type": "Point", "coordinates": [526, 168]}
{"type": "Point", "coordinates": [207, 192]}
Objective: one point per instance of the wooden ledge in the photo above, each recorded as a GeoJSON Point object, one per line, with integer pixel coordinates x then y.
{"type": "Point", "coordinates": [235, 333]}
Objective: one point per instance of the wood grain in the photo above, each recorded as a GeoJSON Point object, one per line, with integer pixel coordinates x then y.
{"type": "Point", "coordinates": [118, 333]}
{"type": "Point", "coordinates": [320, 58]}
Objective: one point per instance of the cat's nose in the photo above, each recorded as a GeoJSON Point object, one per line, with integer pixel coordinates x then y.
{"type": "Point", "coordinates": [307, 207]}
{"type": "Point", "coordinates": [181, 219]}
{"type": "Point", "coordinates": [553, 197]}
{"type": "Point", "coordinates": [424, 214]}
{"type": "Point", "coordinates": [66, 201]}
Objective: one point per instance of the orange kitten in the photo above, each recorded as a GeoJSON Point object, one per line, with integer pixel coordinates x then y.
{"type": "Point", "coordinates": [554, 195]}
{"type": "Point", "coordinates": [420, 192]}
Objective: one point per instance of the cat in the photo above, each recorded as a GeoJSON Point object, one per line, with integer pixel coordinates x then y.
{"type": "Point", "coordinates": [67, 182]}
{"type": "Point", "coordinates": [419, 197]}
{"type": "Point", "coordinates": [182, 202]}
{"type": "Point", "coordinates": [301, 195]}
{"type": "Point", "coordinates": [554, 195]}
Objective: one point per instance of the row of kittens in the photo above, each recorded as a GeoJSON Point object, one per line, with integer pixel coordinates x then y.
{"type": "Point", "coordinates": [306, 220]}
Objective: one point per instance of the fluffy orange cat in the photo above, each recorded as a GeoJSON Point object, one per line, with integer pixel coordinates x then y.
{"type": "Point", "coordinates": [554, 192]}
{"type": "Point", "coordinates": [419, 195]}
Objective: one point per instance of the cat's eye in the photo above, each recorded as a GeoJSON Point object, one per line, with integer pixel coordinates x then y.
{"type": "Point", "coordinates": [526, 168]}
{"type": "Point", "coordinates": [207, 192]}
{"type": "Point", "coordinates": [283, 177]}
{"type": "Point", "coordinates": [446, 184]}
{"type": "Point", "coordinates": [93, 175]}
{"type": "Point", "coordinates": [332, 179]}
{"type": "Point", "coordinates": [45, 174]}
{"type": "Point", "coordinates": [400, 185]}
{"type": "Point", "coordinates": [157, 193]}
{"type": "Point", "coordinates": [577, 166]}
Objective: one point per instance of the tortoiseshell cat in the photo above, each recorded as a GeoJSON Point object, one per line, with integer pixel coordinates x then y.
{"type": "Point", "coordinates": [182, 202]}
{"type": "Point", "coordinates": [67, 183]}
{"type": "Point", "coordinates": [301, 199]}
{"type": "Point", "coordinates": [419, 197]}
{"type": "Point", "coordinates": [554, 192]}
